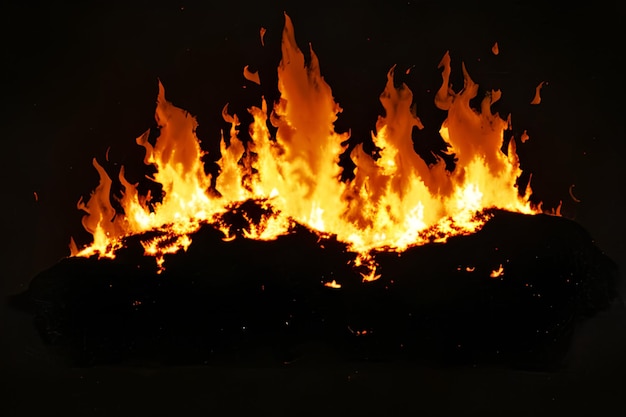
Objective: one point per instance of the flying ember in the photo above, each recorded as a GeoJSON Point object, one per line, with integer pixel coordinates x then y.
{"type": "Point", "coordinates": [393, 201]}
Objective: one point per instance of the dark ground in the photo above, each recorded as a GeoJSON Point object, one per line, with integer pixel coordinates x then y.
{"type": "Point", "coordinates": [77, 80]}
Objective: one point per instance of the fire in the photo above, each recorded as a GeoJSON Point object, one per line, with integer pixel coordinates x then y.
{"type": "Point", "coordinates": [394, 200]}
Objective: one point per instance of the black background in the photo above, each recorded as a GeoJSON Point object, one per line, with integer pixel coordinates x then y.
{"type": "Point", "coordinates": [78, 79]}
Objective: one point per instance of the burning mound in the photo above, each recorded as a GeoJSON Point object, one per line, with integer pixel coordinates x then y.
{"type": "Point", "coordinates": [271, 253]}
{"type": "Point", "coordinates": [510, 294]}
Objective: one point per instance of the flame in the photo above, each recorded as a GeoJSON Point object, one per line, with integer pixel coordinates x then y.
{"type": "Point", "coordinates": [496, 273]}
{"type": "Point", "coordinates": [495, 49]}
{"type": "Point", "coordinates": [332, 284]}
{"type": "Point", "coordinates": [571, 193]}
{"type": "Point", "coordinates": [524, 136]}
{"type": "Point", "coordinates": [262, 35]}
{"type": "Point", "coordinates": [394, 200]}
{"type": "Point", "coordinates": [251, 75]}
{"type": "Point", "coordinates": [537, 98]}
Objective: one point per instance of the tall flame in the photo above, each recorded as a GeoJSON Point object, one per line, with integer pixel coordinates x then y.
{"type": "Point", "coordinates": [395, 200]}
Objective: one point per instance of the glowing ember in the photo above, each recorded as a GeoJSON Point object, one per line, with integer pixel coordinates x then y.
{"type": "Point", "coordinates": [394, 201]}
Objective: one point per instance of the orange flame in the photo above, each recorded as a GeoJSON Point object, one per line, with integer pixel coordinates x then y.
{"type": "Point", "coordinates": [495, 49]}
{"type": "Point", "coordinates": [394, 201]}
{"type": "Point", "coordinates": [537, 98]}
{"type": "Point", "coordinates": [496, 273]}
{"type": "Point", "coordinates": [332, 284]}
